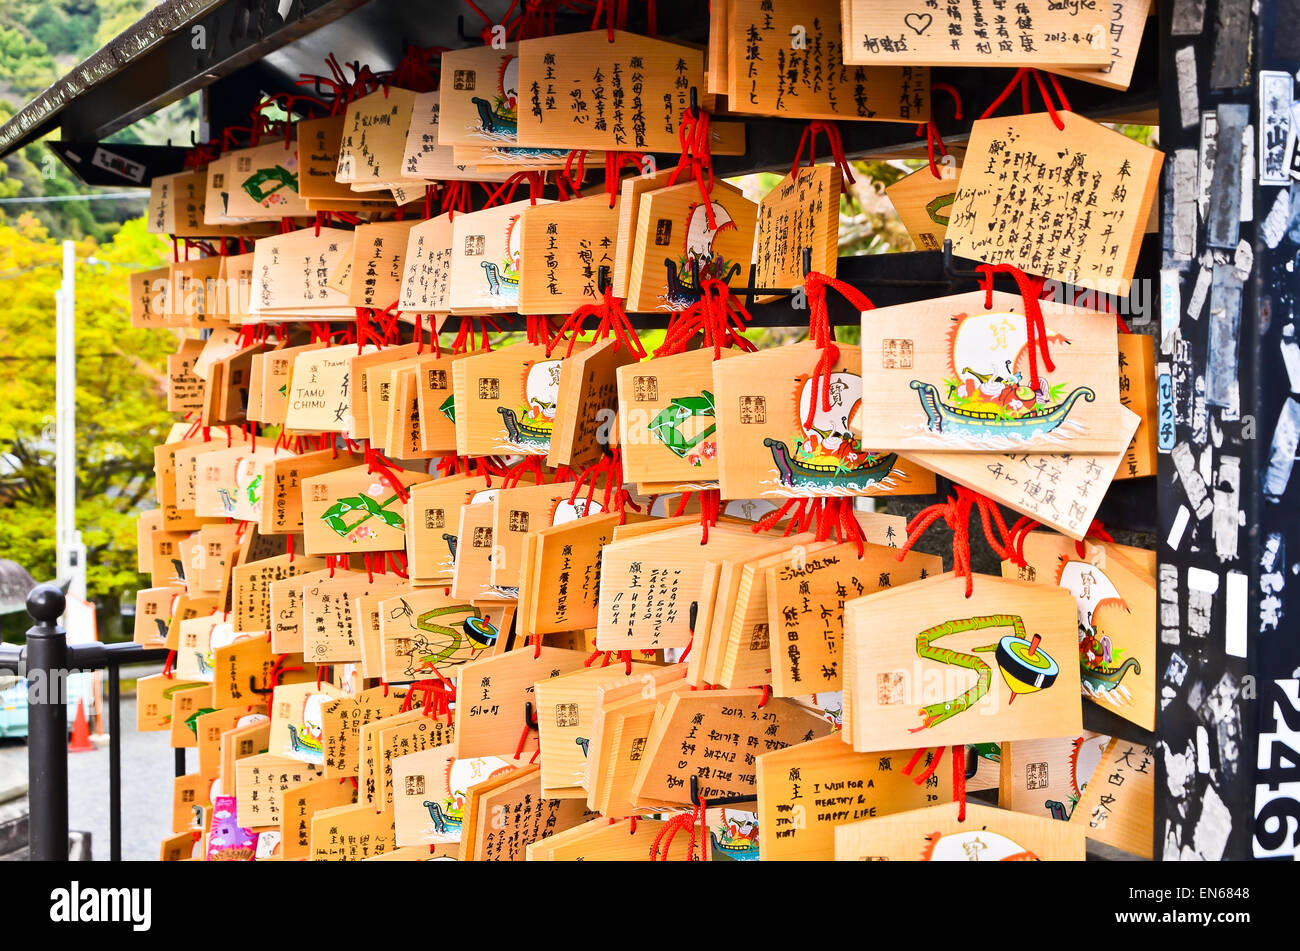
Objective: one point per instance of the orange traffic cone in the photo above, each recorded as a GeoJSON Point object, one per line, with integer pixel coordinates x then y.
{"type": "Point", "coordinates": [81, 732]}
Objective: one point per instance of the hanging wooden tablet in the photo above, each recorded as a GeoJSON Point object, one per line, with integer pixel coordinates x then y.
{"type": "Point", "coordinates": [1137, 391]}
{"type": "Point", "coordinates": [351, 834]}
{"type": "Point", "coordinates": [1048, 777]}
{"type": "Point", "coordinates": [800, 212]}
{"type": "Point", "coordinates": [647, 585]}
{"type": "Point", "coordinates": [193, 300]}
{"type": "Point", "coordinates": [738, 634]}
{"type": "Point", "coordinates": [505, 400]}
{"type": "Point", "coordinates": [599, 840]}
{"type": "Point", "coordinates": [146, 524]}
{"type": "Point", "coordinates": [426, 630]}
{"type": "Point", "coordinates": [426, 278]}
{"type": "Point", "coordinates": [299, 802]}
{"type": "Point", "coordinates": [328, 633]}
{"type": "Point", "coordinates": [149, 291]}
{"type": "Point", "coordinates": [436, 402]}
{"type": "Point", "coordinates": [378, 263]}
{"type": "Point", "coordinates": [234, 285]}
{"type": "Point", "coordinates": [284, 476]}
{"type": "Point", "coordinates": [471, 578]}
{"type": "Point", "coordinates": [717, 736]}
{"type": "Point", "coordinates": [320, 390]}
{"type": "Point", "coordinates": [805, 609]}
{"type": "Point", "coordinates": [191, 804]}
{"type": "Point", "coordinates": [264, 182]}
{"type": "Point", "coordinates": [935, 834]}
{"type": "Point", "coordinates": [250, 739]}
{"type": "Point", "coordinates": [565, 709]}
{"type": "Point", "coordinates": [343, 720]}
{"type": "Point", "coordinates": [931, 666]}
{"type": "Point", "coordinates": [430, 791]}
{"type": "Point", "coordinates": [355, 510]}
{"type": "Point", "coordinates": [567, 562]}
{"type": "Point", "coordinates": [209, 728]}
{"type": "Point", "coordinates": [187, 705]}
{"type": "Point", "coordinates": [519, 511]}
{"type": "Point", "coordinates": [675, 240]}
{"type": "Point", "coordinates": [291, 275]}
{"type": "Point", "coordinates": [486, 259]}
{"type": "Point", "coordinates": [504, 815]}
{"type": "Point", "coordinates": [154, 694]}
{"type": "Point", "coordinates": [160, 213]}
{"type": "Point", "coordinates": [563, 246]}
{"type": "Point", "coordinates": [767, 446]}
{"type": "Point", "coordinates": [374, 136]}
{"type": "Point", "coordinates": [409, 428]}
{"type": "Point", "coordinates": [961, 379]}
{"type": "Point", "coordinates": [1127, 20]}
{"type": "Point", "coordinates": [297, 720]}
{"type": "Point", "coordinates": [1116, 603]}
{"type": "Point", "coordinates": [667, 419]}
{"type": "Point", "coordinates": [587, 404]}
{"type": "Point", "coordinates": [806, 790]}
{"type": "Point", "coordinates": [492, 692]}
{"type": "Point", "coordinates": [924, 204]}
{"type": "Point", "coordinates": [1042, 34]}
{"type": "Point", "coordinates": [318, 159]}
{"type": "Point", "coordinates": [285, 597]}
{"type": "Point", "coordinates": [1099, 181]}
{"type": "Point", "coordinates": [1118, 806]}
{"type": "Point", "coordinates": [359, 393]}
{"type": "Point", "coordinates": [216, 544]}
{"type": "Point", "coordinates": [381, 389]}
{"type": "Point", "coordinates": [252, 607]}
{"type": "Point", "coordinates": [478, 99]}
{"type": "Point", "coordinates": [366, 619]}
{"type": "Point", "coordinates": [153, 612]}
{"type": "Point", "coordinates": [227, 395]}
{"type": "Point", "coordinates": [432, 522]}
{"type": "Point", "coordinates": [1062, 490]}
{"type": "Point", "coordinates": [189, 198]}
{"type": "Point", "coordinates": [629, 206]}
{"type": "Point", "coordinates": [229, 482]}
{"type": "Point", "coordinates": [768, 74]}
{"type": "Point", "coordinates": [425, 157]}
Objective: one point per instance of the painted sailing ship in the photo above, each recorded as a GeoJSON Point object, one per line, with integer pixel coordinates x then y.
{"type": "Point", "coordinates": [503, 277]}
{"type": "Point", "coordinates": [829, 455]}
{"type": "Point", "coordinates": [699, 260]}
{"type": "Point", "coordinates": [1084, 757]}
{"type": "Point", "coordinates": [737, 837]}
{"type": "Point", "coordinates": [987, 393]}
{"type": "Point", "coordinates": [530, 427]}
{"type": "Point", "coordinates": [1100, 667]}
{"type": "Point", "coordinates": [308, 743]}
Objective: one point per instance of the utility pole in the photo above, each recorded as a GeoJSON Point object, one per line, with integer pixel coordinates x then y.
{"type": "Point", "coordinates": [71, 552]}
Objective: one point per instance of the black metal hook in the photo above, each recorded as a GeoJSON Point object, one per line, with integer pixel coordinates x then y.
{"type": "Point", "coordinates": [695, 103]}
{"type": "Point", "coordinates": [529, 716]}
{"type": "Point", "coordinates": [717, 803]}
{"type": "Point", "coordinates": [260, 691]}
{"type": "Point", "coordinates": [952, 273]}
{"type": "Point", "coordinates": [603, 279]}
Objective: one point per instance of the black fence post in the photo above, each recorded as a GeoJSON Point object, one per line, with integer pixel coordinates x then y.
{"type": "Point", "coordinates": [47, 726]}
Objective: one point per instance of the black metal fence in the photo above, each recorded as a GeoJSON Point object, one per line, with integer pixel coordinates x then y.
{"type": "Point", "coordinates": [46, 661]}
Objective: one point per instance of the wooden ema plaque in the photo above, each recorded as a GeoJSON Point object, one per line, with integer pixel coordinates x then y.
{"type": "Point", "coordinates": [491, 718]}
{"type": "Point", "coordinates": [505, 400]}
{"type": "Point", "coordinates": [299, 802]}
{"type": "Point", "coordinates": [1045, 34]}
{"type": "Point", "coordinates": [298, 720]}
{"type": "Point", "coordinates": [342, 722]}
{"type": "Point", "coordinates": [373, 139]}
{"type": "Point", "coordinates": [924, 204]}
{"type": "Point", "coordinates": [426, 280]}
{"type": "Point", "coordinates": [286, 610]}
{"type": "Point", "coordinates": [566, 707]}
{"type": "Point", "coordinates": [1115, 596]}
{"type": "Point", "coordinates": [588, 403]}
{"type": "Point", "coordinates": [1137, 391]}
{"type": "Point", "coordinates": [149, 291]}
{"type": "Point", "coordinates": [436, 401]}
{"type": "Point", "coordinates": [433, 519]}
{"type": "Point", "coordinates": [486, 258]}
{"type": "Point", "coordinates": [567, 565]}
{"type": "Point", "coordinates": [806, 791]}
{"type": "Point", "coordinates": [1128, 19]}
{"type": "Point", "coordinates": [767, 447]}
{"type": "Point", "coordinates": [667, 419]}
{"type": "Point", "coordinates": [581, 91]}
{"type": "Point", "coordinates": [1118, 806]}
{"type": "Point", "coordinates": [429, 792]}
{"type": "Point", "coordinates": [935, 834]}
{"type": "Point", "coordinates": [805, 609]}
{"type": "Point", "coordinates": [675, 240]}
{"type": "Point", "coordinates": [359, 396]}
{"type": "Point", "coordinates": [717, 736]}
{"type": "Point", "coordinates": [378, 263]}
{"type": "Point", "coordinates": [564, 245]}
{"type": "Point", "coordinates": [351, 834]}
{"type": "Point", "coordinates": [263, 182]}
{"type": "Point", "coordinates": [927, 665]}
{"type": "Point", "coordinates": [291, 271]}
{"type": "Point", "coordinates": [800, 212]}
{"type": "Point", "coordinates": [960, 380]}
{"type": "Point", "coordinates": [284, 476]}
{"type": "Point", "coordinates": [260, 782]}
{"type": "Point", "coordinates": [623, 716]}
{"type": "Point", "coordinates": [769, 74]}
{"type": "Point", "coordinates": [355, 510]}
{"type": "Point", "coordinates": [1048, 777]}
{"type": "Point", "coordinates": [503, 816]}
{"type": "Point", "coordinates": [1082, 196]}
{"type": "Point", "coordinates": [426, 157]}
{"type": "Point", "coordinates": [600, 840]}
{"type": "Point", "coordinates": [1062, 490]}
{"type": "Point", "coordinates": [424, 630]}
{"type": "Point", "coordinates": [520, 511]}
{"type": "Point", "coordinates": [647, 584]}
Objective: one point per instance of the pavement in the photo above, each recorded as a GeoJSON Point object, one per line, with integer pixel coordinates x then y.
{"type": "Point", "coordinates": [147, 771]}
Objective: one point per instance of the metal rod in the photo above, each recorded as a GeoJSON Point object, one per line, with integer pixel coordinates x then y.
{"type": "Point", "coordinates": [47, 726]}
{"type": "Point", "coordinates": [114, 763]}
{"type": "Point", "coordinates": [180, 761]}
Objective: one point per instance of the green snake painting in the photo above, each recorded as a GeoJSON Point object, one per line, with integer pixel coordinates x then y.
{"type": "Point", "coordinates": [1024, 667]}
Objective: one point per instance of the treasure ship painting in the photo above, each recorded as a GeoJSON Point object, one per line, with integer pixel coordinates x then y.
{"type": "Point", "coordinates": [987, 396]}
{"type": "Point", "coordinates": [503, 276]}
{"type": "Point", "coordinates": [1103, 664]}
{"type": "Point", "coordinates": [826, 457]}
{"type": "Point", "coordinates": [974, 845]}
{"type": "Point", "coordinates": [447, 808]}
{"type": "Point", "coordinates": [498, 117]}
{"type": "Point", "coordinates": [700, 258]}
{"type": "Point", "coordinates": [528, 427]}
{"type": "Point", "coordinates": [1084, 757]}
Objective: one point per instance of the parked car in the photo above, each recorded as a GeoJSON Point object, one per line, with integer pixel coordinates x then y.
{"type": "Point", "coordinates": [13, 701]}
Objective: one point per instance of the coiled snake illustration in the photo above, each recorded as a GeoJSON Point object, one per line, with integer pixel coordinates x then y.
{"type": "Point", "coordinates": [1024, 667]}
